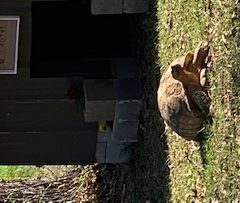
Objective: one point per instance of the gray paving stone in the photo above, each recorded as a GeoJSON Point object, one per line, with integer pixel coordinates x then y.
{"type": "Point", "coordinates": [125, 130]}
{"type": "Point", "coordinates": [100, 99]}
{"type": "Point", "coordinates": [125, 68]}
{"type": "Point", "coordinates": [128, 109]}
{"type": "Point", "coordinates": [100, 153]}
{"type": "Point", "coordinates": [104, 136]}
{"type": "Point", "coordinates": [135, 6]}
{"type": "Point", "coordinates": [100, 7]}
{"type": "Point", "coordinates": [130, 88]}
{"type": "Point", "coordinates": [128, 106]}
{"type": "Point", "coordinates": [117, 152]}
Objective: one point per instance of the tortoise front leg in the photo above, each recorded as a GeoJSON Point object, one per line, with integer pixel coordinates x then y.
{"type": "Point", "coordinates": [200, 55]}
{"type": "Point", "coordinates": [203, 79]}
{"type": "Point", "coordinates": [201, 61]}
{"type": "Point", "coordinates": [202, 101]}
{"type": "Point", "coordinates": [203, 70]}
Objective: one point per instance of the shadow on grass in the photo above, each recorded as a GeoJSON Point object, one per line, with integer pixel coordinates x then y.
{"type": "Point", "coordinates": [148, 172]}
{"type": "Point", "coordinates": [203, 138]}
{"type": "Point", "coordinates": [146, 177]}
{"type": "Point", "coordinates": [204, 151]}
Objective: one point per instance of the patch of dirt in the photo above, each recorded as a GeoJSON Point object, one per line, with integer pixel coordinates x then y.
{"type": "Point", "coordinates": [77, 185]}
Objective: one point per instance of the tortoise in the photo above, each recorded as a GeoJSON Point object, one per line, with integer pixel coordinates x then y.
{"type": "Point", "coordinates": [182, 95]}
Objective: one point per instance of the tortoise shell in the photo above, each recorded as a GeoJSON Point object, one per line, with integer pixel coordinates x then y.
{"type": "Point", "coordinates": [182, 96]}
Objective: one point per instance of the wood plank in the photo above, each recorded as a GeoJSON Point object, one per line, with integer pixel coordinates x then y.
{"type": "Point", "coordinates": [48, 148]}
{"type": "Point", "coordinates": [15, 3]}
{"type": "Point", "coordinates": [16, 87]}
{"type": "Point", "coordinates": [42, 115]}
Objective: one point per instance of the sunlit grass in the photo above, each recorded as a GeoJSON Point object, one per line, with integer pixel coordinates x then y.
{"type": "Point", "coordinates": [182, 24]}
{"type": "Point", "coordinates": [13, 172]}
{"type": "Point", "coordinates": [18, 172]}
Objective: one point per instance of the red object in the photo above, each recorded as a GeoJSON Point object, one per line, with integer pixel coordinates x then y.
{"type": "Point", "coordinates": [71, 93]}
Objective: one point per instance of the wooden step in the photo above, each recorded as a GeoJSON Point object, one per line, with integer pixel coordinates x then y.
{"type": "Point", "coordinates": [38, 88]}
{"type": "Point", "coordinates": [42, 115]}
{"type": "Point", "coordinates": [51, 147]}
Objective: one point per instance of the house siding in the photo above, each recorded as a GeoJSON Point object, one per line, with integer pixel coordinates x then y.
{"type": "Point", "coordinates": [38, 125]}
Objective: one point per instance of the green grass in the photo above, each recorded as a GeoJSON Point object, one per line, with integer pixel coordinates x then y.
{"type": "Point", "coordinates": [165, 167]}
{"type": "Point", "coordinates": [223, 171]}
{"type": "Point", "coordinates": [182, 24]}
{"type": "Point", "coordinates": [26, 172]}
{"type": "Point", "coordinates": [18, 172]}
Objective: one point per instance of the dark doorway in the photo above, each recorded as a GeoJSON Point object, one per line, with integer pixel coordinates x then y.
{"type": "Point", "coordinates": [67, 40]}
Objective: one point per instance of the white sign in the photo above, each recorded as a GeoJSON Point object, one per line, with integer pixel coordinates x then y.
{"type": "Point", "coordinates": [9, 33]}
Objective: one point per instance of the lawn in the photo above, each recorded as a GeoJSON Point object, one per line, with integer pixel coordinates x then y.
{"type": "Point", "coordinates": [166, 167]}
{"type": "Point", "coordinates": [25, 172]}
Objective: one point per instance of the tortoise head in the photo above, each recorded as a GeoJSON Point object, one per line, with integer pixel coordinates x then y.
{"type": "Point", "coordinates": [184, 76]}
{"type": "Point", "coordinates": [187, 68]}
{"type": "Point", "coordinates": [182, 70]}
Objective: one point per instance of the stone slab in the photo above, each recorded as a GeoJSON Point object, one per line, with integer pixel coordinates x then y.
{"type": "Point", "coordinates": [117, 152]}
{"type": "Point", "coordinates": [135, 6]}
{"type": "Point", "coordinates": [99, 111]}
{"type": "Point", "coordinates": [125, 68]}
{"type": "Point", "coordinates": [104, 136]}
{"type": "Point", "coordinates": [125, 130]}
{"type": "Point", "coordinates": [128, 109]}
{"type": "Point", "coordinates": [99, 89]}
{"type": "Point", "coordinates": [100, 153]}
{"type": "Point", "coordinates": [130, 88]}
{"type": "Point", "coordinates": [100, 7]}
{"type": "Point", "coordinates": [100, 99]}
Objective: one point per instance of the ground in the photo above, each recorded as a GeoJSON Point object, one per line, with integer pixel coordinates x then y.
{"type": "Point", "coordinates": [163, 166]}
{"type": "Point", "coordinates": [167, 168]}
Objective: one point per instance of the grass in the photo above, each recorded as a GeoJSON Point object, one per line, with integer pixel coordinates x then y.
{"type": "Point", "coordinates": [181, 25]}
{"type": "Point", "coordinates": [218, 180]}
{"type": "Point", "coordinates": [16, 172]}
{"type": "Point", "coordinates": [166, 168]}
{"type": "Point", "coordinates": [26, 172]}
{"type": "Point", "coordinates": [222, 173]}
{"type": "Point", "coordinates": [212, 21]}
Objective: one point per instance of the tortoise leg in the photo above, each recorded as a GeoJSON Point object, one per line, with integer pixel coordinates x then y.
{"type": "Point", "coordinates": [202, 61]}
{"type": "Point", "coordinates": [203, 71]}
{"type": "Point", "coordinates": [202, 101]}
{"type": "Point", "coordinates": [200, 55]}
{"type": "Point", "coordinates": [203, 79]}
{"type": "Point", "coordinates": [184, 62]}
{"type": "Point", "coordinates": [187, 64]}
{"type": "Point", "coordinates": [210, 60]}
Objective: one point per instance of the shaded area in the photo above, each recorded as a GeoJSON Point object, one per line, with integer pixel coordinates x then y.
{"type": "Point", "coordinates": [48, 148]}
{"type": "Point", "coordinates": [111, 183]}
{"type": "Point", "coordinates": [203, 147]}
{"type": "Point", "coordinates": [148, 174]}
{"type": "Point", "coordinates": [146, 177]}
{"type": "Point", "coordinates": [44, 131]}
{"type": "Point", "coordinates": [67, 39]}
